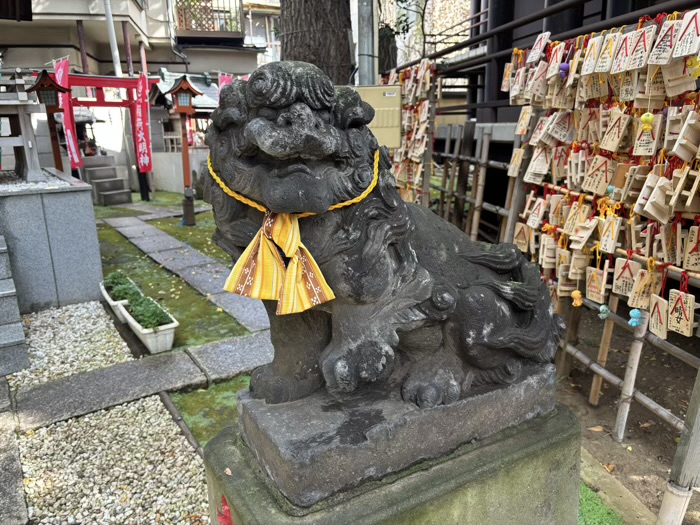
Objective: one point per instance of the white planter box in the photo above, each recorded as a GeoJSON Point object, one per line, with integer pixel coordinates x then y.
{"type": "Point", "coordinates": [155, 339]}
{"type": "Point", "coordinates": [114, 305]}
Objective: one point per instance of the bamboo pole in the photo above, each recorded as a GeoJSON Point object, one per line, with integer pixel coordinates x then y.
{"type": "Point", "coordinates": [648, 403]}
{"type": "Point", "coordinates": [603, 350]}
{"type": "Point", "coordinates": [630, 378]}
{"type": "Point", "coordinates": [453, 174]}
{"type": "Point", "coordinates": [481, 183]}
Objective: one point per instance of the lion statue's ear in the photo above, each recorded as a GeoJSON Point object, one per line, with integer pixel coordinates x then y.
{"type": "Point", "coordinates": [350, 111]}
{"type": "Point", "coordinates": [233, 109]}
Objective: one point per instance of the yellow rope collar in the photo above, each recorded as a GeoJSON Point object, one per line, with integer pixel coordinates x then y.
{"type": "Point", "coordinates": [260, 271]}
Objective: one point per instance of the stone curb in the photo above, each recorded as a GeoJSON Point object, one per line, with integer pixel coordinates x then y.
{"type": "Point", "coordinates": [13, 508]}
{"type": "Point", "coordinates": [94, 390]}
{"type": "Point", "coordinates": [613, 493]}
{"type": "Point", "coordinates": [202, 273]}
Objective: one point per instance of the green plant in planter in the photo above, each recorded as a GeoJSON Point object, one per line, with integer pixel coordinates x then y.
{"type": "Point", "coordinates": [148, 313]}
{"type": "Point", "coordinates": [115, 279]}
{"type": "Point", "coordinates": [127, 291]}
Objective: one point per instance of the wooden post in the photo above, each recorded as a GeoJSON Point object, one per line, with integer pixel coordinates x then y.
{"type": "Point", "coordinates": [635, 354]}
{"type": "Point", "coordinates": [453, 172]}
{"type": "Point", "coordinates": [127, 48]}
{"type": "Point", "coordinates": [83, 49]}
{"type": "Point", "coordinates": [603, 350]}
{"type": "Point", "coordinates": [563, 360]}
{"type": "Point", "coordinates": [481, 183]}
{"type": "Point", "coordinates": [55, 147]}
{"type": "Point", "coordinates": [685, 470]}
{"type": "Point", "coordinates": [446, 165]}
{"type": "Point", "coordinates": [466, 149]}
{"type": "Point", "coordinates": [185, 152]}
{"type": "Point", "coordinates": [428, 154]}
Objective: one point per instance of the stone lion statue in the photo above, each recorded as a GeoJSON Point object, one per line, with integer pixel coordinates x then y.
{"type": "Point", "coordinates": [413, 303]}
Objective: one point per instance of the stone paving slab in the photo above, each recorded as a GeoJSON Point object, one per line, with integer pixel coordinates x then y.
{"type": "Point", "coordinates": [142, 230]}
{"type": "Point", "coordinates": [123, 222]}
{"type": "Point", "coordinates": [180, 258]}
{"type": "Point", "coordinates": [13, 359]}
{"type": "Point", "coordinates": [97, 389]}
{"type": "Point", "coordinates": [207, 279]}
{"type": "Point", "coordinates": [4, 395]}
{"type": "Point", "coordinates": [13, 510]}
{"type": "Point", "coordinates": [230, 357]}
{"type": "Point", "coordinates": [156, 243]}
{"type": "Point", "coordinates": [249, 312]}
{"type": "Point", "coordinates": [11, 334]}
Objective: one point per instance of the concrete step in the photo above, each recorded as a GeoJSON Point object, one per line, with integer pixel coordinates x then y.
{"type": "Point", "coordinates": [104, 185]}
{"type": "Point", "coordinates": [13, 359]}
{"type": "Point", "coordinates": [98, 160]}
{"type": "Point", "coordinates": [5, 268]}
{"type": "Point", "coordinates": [7, 288]}
{"type": "Point", "coordinates": [11, 334]}
{"type": "Point", "coordinates": [99, 173]}
{"type": "Point", "coordinates": [109, 198]}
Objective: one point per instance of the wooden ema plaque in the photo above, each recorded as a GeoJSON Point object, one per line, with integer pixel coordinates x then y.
{"type": "Point", "coordinates": [597, 283]}
{"type": "Point", "coordinates": [681, 313]}
{"type": "Point", "coordinates": [623, 276]}
{"type": "Point", "coordinates": [658, 316]}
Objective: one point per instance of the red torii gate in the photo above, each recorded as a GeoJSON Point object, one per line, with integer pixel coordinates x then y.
{"type": "Point", "coordinates": [98, 83]}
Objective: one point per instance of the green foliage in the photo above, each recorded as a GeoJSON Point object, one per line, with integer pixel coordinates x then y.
{"type": "Point", "coordinates": [115, 279]}
{"type": "Point", "coordinates": [148, 313]}
{"type": "Point", "coordinates": [593, 511]}
{"type": "Point", "coordinates": [127, 292]}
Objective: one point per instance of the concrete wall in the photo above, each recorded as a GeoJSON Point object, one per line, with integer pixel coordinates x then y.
{"type": "Point", "coordinates": [167, 169]}
{"type": "Point", "coordinates": [52, 242]}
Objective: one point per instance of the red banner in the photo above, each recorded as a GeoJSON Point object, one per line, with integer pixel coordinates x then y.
{"type": "Point", "coordinates": [144, 156]}
{"type": "Point", "coordinates": [62, 70]}
{"type": "Point", "coordinates": [224, 80]}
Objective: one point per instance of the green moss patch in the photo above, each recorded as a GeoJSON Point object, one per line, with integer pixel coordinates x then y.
{"type": "Point", "coordinates": [593, 511]}
{"type": "Point", "coordinates": [200, 319]}
{"type": "Point", "coordinates": [208, 411]}
{"type": "Point", "coordinates": [198, 236]}
{"type": "Point", "coordinates": [112, 212]}
{"type": "Point", "coordinates": [163, 198]}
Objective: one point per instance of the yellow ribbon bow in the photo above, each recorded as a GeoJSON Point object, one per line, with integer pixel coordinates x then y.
{"type": "Point", "coordinates": [260, 271]}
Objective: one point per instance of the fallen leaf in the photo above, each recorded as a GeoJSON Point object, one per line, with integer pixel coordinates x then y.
{"type": "Point", "coordinates": [227, 471]}
{"type": "Point", "coordinates": [610, 467]}
{"type": "Point", "coordinates": [629, 448]}
{"type": "Point", "coordinates": [597, 428]}
{"type": "Point", "coordinates": [647, 424]}
{"type": "Point", "coordinates": [219, 309]}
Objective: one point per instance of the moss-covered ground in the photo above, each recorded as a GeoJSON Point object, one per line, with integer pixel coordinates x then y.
{"type": "Point", "coordinates": [168, 199]}
{"type": "Point", "coordinates": [208, 411]}
{"type": "Point", "coordinates": [112, 212]}
{"type": "Point", "coordinates": [200, 319]}
{"type": "Point", "coordinates": [198, 236]}
{"type": "Point", "coordinates": [593, 511]}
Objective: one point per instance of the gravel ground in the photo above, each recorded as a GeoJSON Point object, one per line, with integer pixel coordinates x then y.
{"type": "Point", "coordinates": [128, 465]}
{"type": "Point", "coordinates": [69, 340]}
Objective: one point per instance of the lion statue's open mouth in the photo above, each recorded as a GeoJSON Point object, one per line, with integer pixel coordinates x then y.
{"type": "Point", "coordinates": [417, 305]}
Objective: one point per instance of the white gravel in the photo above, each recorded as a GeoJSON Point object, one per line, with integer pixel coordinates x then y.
{"type": "Point", "coordinates": [128, 465]}
{"type": "Point", "coordinates": [68, 340]}
{"type": "Point", "coordinates": [12, 183]}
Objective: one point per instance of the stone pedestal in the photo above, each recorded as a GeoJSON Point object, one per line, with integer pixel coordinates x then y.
{"type": "Point", "coordinates": [526, 474]}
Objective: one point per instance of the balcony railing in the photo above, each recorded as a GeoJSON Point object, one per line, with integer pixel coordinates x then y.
{"type": "Point", "coordinates": [208, 16]}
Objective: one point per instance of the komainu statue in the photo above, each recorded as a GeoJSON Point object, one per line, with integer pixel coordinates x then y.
{"type": "Point", "coordinates": [360, 286]}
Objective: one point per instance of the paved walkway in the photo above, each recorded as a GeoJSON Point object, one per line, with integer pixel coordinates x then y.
{"type": "Point", "coordinates": [203, 273]}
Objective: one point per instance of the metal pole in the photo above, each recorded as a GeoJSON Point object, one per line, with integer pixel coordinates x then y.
{"type": "Point", "coordinates": [428, 154]}
{"type": "Point", "coordinates": [365, 42]}
{"type": "Point", "coordinates": [142, 52]}
{"type": "Point", "coordinates": [630, 377]}
{"type": "Point", "coordinates": [127, 48]}
{"type": "Point", "coordinates": [112, 39]}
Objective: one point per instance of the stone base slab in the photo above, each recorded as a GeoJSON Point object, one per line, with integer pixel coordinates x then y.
{"type": "Point", "coordinates": [317, 446]}
{"type": "Point", "coordinates": [528, 474]}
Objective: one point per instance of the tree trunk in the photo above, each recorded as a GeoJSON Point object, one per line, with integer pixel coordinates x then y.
{"type": "Point", "coordinates": [318, 31]}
